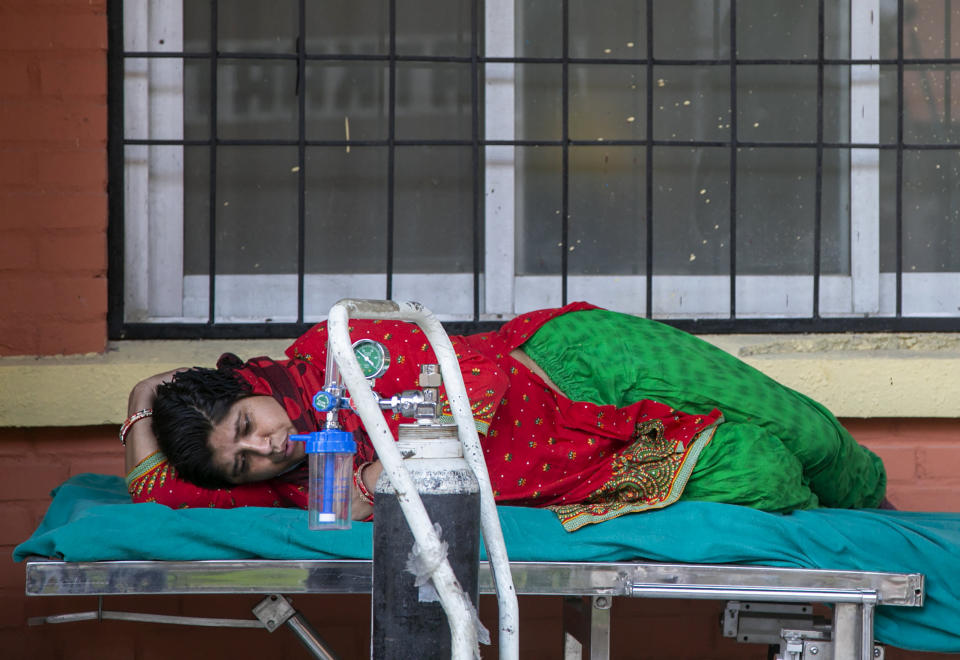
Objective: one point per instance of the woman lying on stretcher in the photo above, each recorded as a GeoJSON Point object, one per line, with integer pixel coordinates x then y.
{"type": "Point", "coordinates": [588, 412]}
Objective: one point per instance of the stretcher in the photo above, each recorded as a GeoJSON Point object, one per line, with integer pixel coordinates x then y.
{"type": "Point", "coordinates": [764, 604]}
{"type": "Point", "coordinates": [888, 576]}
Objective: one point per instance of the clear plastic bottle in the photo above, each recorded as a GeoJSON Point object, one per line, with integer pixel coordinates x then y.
{"type": "Point", "coordinates": [330, 454]}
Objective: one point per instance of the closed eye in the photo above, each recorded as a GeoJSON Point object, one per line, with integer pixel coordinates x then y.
{"type": "Point", "coordinates": [241, 430]}
{"type": "Point", "coordinates": [239, 461]}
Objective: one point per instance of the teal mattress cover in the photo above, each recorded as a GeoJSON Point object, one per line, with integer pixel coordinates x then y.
{"type": "Point", "coordinates": [91, 518]}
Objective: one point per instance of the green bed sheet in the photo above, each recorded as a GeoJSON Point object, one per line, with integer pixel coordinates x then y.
{"type": "Point", "coordinates": [91, 519]}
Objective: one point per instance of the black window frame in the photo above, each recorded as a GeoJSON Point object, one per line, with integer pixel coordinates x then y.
{"type": "Point", "coordinates": [118, 328]}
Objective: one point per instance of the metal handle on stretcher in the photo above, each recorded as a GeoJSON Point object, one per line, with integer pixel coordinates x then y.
{"type": "Point", "coordinates": [777, 594]}
{"type": "Point", "coordinates": [455, 603]}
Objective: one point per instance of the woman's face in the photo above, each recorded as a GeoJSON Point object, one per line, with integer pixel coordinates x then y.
{"type": "Point", "coordinates": [252, 442]}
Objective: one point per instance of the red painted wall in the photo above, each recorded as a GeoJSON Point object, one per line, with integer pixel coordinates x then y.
{"type": "Point", "coordinates": [922, 458]}
{"type": "Point", "coordinates": [53, 176]}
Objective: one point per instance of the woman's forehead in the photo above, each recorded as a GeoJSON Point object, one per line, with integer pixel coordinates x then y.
{"type": "Point", "coordinates": [223, 441]}
{"type": "Point", "coordinates": [224, 433]}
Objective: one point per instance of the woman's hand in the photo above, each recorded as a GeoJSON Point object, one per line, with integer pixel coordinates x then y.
{"type": "Point", "coordinates": [143, 393]}
{"type": "Point", "coordinates": [141, 442]}
{"type": "Point", "coordinates": [359, 509]}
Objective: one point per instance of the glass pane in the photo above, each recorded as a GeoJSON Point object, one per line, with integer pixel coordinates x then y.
{"type": "Point", "coordinates": [931, 211]}
{"type": "Point", "coordinates": [196, 210]}
{"type": "Point", "coordinates": [836, 29]}
{"type": "Point", "coordinates": [929, 28]}
{"type": "Point", "coordinates": [607, 227]}
{"type": "Point", "coordinates": [691, 211]}
{"type": "Point", "coordinates": [539, 28]}
{"type": "Point", "coordinates": [257, 210]}
{"type": "Point", "coordinates": [776, 191]}
{"type": "Point", "coordinates": [613, 29]}
{"type": "Point", "coordinates": [691, 29]}
{"type": "Point", "coordinates": [256, 99]}
{"type": "Point", "coordinates": [434, 27]}
{"type": "Point", "coordinates": [607, 102]}
{"type": "Point", "coordinates": [250, 26]}
{"type": "Point", "coordinates": [777, 103]}
{"type": "Point", "coordinates": [538, 224]}
{"type": "Point", "coordinates": [539, 89]}
{"type": "Point", "coordinates": [346, 100]}
{"type": "Point", "coordinates": [691, 103]}
{"type": "Point", "coordinates": [196, 26]}
{"type": "Point", "coordinates": [888, 211]}
{"type": "Point", "coordinates": [154, 204]}
{"type": "Point", "coordinates": [433, 210]}
{"type": "Point", "coordinates": [356, 27]}
{"type": "Point", "coordinates": [434, 101]}
{"type": "Point", "coordinates": [346, 210]}
{"type": "Point", "coordinates": [836, 104]}
{"type": "Point", "coordinates": [196, 99]}
{"type": "Point", "coordinates": [777, 29]}
{"type": "Point", "coordinates": [835, 213]}
{"type": "Point", "coordinates": [931, 104]}
{"type": "Point", "coordinates": [888, 104]}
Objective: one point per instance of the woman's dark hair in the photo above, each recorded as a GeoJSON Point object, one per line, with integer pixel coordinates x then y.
{"type": "Point", "coordinates": [184, 413]}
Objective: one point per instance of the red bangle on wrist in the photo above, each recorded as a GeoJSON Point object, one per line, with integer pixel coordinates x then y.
{"type": "Point", "coordinates": [365, 495]}
{"type": "Point", "coordinates": [130, 421]}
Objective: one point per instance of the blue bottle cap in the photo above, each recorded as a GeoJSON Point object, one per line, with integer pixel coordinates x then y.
{"type": "Point", "coordinates": [329, 441]}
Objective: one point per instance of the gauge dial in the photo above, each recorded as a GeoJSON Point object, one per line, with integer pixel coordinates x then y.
{"type": "Point", "coordinates": [374, 358]}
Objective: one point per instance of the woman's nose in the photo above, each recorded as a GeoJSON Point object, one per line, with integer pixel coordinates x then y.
{"type": "Point", "coordinates": [258, 444]}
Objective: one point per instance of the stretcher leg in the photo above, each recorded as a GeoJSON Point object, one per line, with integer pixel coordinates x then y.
{"type": "Point", "coordinates": [796, 633]}
{"type": "Point", "coordinates": [586, 628]}
{"type": "Point", "coordinates": [276, 610]}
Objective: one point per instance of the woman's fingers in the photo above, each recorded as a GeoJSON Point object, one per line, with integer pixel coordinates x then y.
{"type": "Point", "coordinates": [144, 392]}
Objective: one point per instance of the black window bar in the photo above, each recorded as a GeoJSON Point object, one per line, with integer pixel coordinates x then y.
{"type": "Point", "coordinates": [120, 329]}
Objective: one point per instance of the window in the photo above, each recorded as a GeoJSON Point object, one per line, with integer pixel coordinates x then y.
{"type": "Point", "coordinates": [733, 165]}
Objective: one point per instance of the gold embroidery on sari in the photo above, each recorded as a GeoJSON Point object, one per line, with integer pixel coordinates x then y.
{"type": "Point", "coordinates": [644, 476]}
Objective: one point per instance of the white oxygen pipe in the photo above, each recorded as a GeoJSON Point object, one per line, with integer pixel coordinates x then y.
{"type": "Point", "coordinates": [455, 603]}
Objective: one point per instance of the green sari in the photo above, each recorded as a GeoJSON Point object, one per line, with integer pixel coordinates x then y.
{"type": "Point", "coordinates": [777, 450]}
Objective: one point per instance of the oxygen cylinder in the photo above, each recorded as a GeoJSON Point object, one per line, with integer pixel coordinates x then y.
{"type": "Point", "coordinates": [408, 621]}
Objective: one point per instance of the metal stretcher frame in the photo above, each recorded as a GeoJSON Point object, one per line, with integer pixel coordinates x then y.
{"type": "Point", "coordinates": [854, 594]}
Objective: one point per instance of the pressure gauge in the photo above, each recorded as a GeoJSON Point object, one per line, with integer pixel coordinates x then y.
{"type": "Point", "coordinates": [374, 358]}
